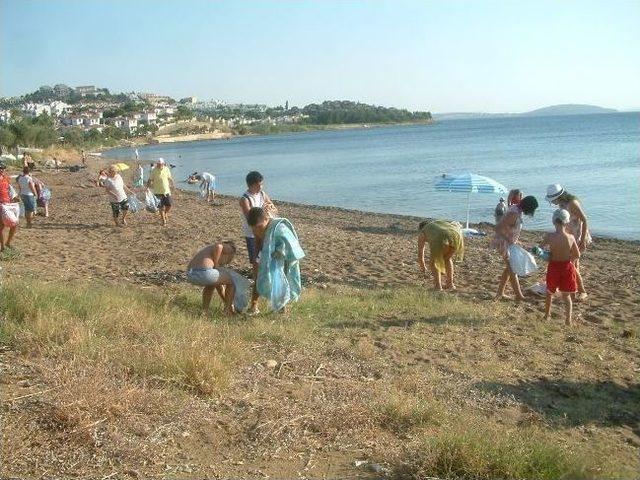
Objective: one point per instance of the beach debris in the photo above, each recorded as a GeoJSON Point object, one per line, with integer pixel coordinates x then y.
{"type": "Point", "coordinates": [373, 467]}
{"type": "Point", "coordinates": [271, 363]}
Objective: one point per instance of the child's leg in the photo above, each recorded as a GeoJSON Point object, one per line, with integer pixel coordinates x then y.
{"type": "Point", "coordinates": [116, 213]}
{"type": "Point", "coordinates": [46, 210]}
{"type": "Point", "coordinates": [1, 236]}
{"type": "Point", "coordinates": [448, 266]}
{"type": "Point", "coordinates": [12, 232]}
{"type": "Point", "coordinates": [124, 216]}
{"type": "Point", "coordinates": [568, 308]}
{"type": "Point", "coordinates": [436, 275]}
{"type": "Point", "coordinates": [207, 293]}
{"type": "Point", "coordinates": [581, 291]}
{"type": "Point", "coordinates": [220, 290]}
{"type": "Point", "coordinates": [515, 283]}
{"type": "Point", "coordinates": [547, 306]}
{"type": "Point", "coordinates": [229, 292]}
{"type": "Point", "coordinates": [503, 283]}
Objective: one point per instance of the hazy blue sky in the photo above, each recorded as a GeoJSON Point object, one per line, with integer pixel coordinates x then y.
{"type": "Point", "coordinates": [442, 56]}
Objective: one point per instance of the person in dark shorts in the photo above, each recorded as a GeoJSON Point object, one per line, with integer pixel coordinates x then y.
{"type": "Point", "coordinates": [112, 182]}
{"type": "Point", "coordinates": [161, 182]}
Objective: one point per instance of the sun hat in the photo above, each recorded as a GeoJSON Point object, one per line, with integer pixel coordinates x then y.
{"type": "Point", "coordinates": [561, 215]}
{"type": "Point", "coordinates": [554, 191]}
{"type": "Point", "coordinates": [161, 161]}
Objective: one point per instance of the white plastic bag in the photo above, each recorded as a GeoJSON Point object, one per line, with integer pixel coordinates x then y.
{"type": "Point", "coordinates": [280, 293]}
{"type": "Point", "coordinates": [152, 203]}
{"type": "Point", "coordinates": [134, 204]}
{"type": "Point", "coordinates": [522, 262]}
{"type": "Point", "coordinates": [10, 213]}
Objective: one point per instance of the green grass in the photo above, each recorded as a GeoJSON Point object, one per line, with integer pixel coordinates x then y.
{"type": "Point", "coordinates": [469, 451]}
{"type": "Point", "coordinates": [159, 338]}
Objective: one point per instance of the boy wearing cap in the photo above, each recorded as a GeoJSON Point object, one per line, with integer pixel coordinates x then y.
{"type": "Point", "coordinates": [561, 272]}
{"type": "Point", "coordinates": [161, 182]}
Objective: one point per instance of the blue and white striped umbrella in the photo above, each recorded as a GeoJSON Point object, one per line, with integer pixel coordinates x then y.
{"type": "Point", "coordinates": [469, 183]}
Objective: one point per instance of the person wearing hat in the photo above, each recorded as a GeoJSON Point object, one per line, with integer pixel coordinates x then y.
{"type": "Point", "coordinates": [507, 233]}
{"type": "Point", "coordinates": [577, 226]}
{"type": "Point", "coordinates": [161, 182]}
{"type": "Point", "coordinates": [561, 271]}
{"type": "Point", "coordinates": [6, 196]}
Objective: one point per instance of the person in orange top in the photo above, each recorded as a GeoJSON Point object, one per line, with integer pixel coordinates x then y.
{"type": "Point", "coordinates": [5, 197]}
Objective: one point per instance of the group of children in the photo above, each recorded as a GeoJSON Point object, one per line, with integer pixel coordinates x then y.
{"type": "Point", "coordinates": [565, 244]}
{"type": "Point", "coordinates": [28, 190]}
{"type": "Point", "coordinates": [274, 253]}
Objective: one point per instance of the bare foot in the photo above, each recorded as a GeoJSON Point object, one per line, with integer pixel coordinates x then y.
{"type": "Point", "coordinates": [547, 317]}
{"type": "Point", "coordinates": [450, 287]}
{"type": "Point", "coordinates": [580, 296]}
{"type": "Point", "coordinates": [253, 311]}
{"type": "Point", "coordinates": [500, 297]}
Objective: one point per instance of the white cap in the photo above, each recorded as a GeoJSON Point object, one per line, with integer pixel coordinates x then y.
{"type": "Point", "coordinates": [161, 161]}
{"type": "Point", "coordinates": [562, 215]}
{"type": "Point", "coordinates": [554, 191]}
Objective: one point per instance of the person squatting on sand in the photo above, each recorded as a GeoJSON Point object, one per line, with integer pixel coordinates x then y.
{"type": "Point", "coordinates": [112, 182]}
{"type": "Point", "coordinates": [43, 197]}
{"type": "Point", "coordinates": [7, 195]}
{"type": "Point", "coordinates": [28, 194]}
{"type": "Point", "coordinates": [561, 272]}
{"type": "Point", "coordinates": [255, 196]}
{"type": "Point", "coordinates": [161, 182]}
{"type": "Point", "coordinates": [445, 240]}
{"type": "Point", "coordinates": [507, 233]}
{"type": "Point", "coordinates": [578, 225]}
{"type": "Point", "coordinates": [278, 276]}
{"type": "Point", "coordinates": [206, 270]}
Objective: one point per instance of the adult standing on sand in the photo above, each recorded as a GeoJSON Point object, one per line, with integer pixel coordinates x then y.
{"type": "Point", "coordinates": [507, 233]}
{"type": "Point", "coordinates": [6, 194]}
{"type": "Point", "coordinates": [254, 197]}
{"type": "Point", "coordinates": [28, 194]}
{"type": "Point", "coordinates": [161, 182]}
{"type": "Point", "coordinates": [115, 187]}
{"type": "Point", "coordinates": [578, 225]}
{"type": "Point", "coordinates": [207, 185]}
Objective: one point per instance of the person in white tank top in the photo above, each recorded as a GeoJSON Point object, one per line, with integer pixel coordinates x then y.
{"type": "Point", "coordinates": [254, 197]}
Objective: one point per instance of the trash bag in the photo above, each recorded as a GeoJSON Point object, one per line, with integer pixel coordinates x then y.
{"type": "Point", "coordinates": [152, 203]}
{"type": "Point", "coordinates": [10, 213]}
{"type": "Point", "coordinates": [46, 194]}
{"type": "Point", "coordinates": [280, 293]}
{"type": "Point", "coordinates": [522, 262]}
{"type": "Point", "coordinates": [12, 192]}
{"type": "Point", "coordinates": [134, 204]}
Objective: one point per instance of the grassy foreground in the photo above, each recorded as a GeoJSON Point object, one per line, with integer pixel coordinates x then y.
{"type": "Point", "coordinates": [374, 374]}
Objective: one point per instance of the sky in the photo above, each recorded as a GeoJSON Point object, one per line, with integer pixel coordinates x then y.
{"type": "Point", "coordinates": [442, 56]}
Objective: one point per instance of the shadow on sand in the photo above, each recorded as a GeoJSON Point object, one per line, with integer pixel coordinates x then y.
{"type": "Point", "coordinates": [569, 403]}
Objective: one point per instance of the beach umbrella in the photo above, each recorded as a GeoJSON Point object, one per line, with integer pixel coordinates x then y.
{"type": "Point", "coordinates": [469, 183]}
{"type": "Point", "coordinates": [121, 166]}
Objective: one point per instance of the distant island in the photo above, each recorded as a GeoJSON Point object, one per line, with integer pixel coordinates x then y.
{"type": "Point", "coordinates": [568, 109]}
{"type": "Point", "coordinates": [553, 110]}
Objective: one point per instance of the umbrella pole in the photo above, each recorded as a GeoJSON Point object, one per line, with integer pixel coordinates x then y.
{"type": "Point", "coordinates": [468, 207]}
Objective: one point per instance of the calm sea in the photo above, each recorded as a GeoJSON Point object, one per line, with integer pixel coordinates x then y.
{"type": "Point", "coordinates": [393, 169]}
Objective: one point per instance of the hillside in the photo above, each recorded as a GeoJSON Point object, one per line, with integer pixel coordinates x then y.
{"type": "Point", "coordinates": [568, 109]}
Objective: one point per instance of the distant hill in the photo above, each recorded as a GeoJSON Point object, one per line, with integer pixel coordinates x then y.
{"type": "Point", "coordinates": [568, 109]}
{"type": "Point", "coordinates": [565, 109]}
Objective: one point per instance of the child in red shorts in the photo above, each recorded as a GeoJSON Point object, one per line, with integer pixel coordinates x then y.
{"type": "Point", "coordinates": [561, 272]}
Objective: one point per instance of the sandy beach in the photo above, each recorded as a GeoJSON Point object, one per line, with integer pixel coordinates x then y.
{"type": "Point", "coordinates": [359, 374]}
{"type": "Point", "coordinates": [358, 249]}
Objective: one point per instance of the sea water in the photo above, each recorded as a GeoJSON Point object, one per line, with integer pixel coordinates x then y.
{"type": "Point", "coordinates": [393, 169]}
